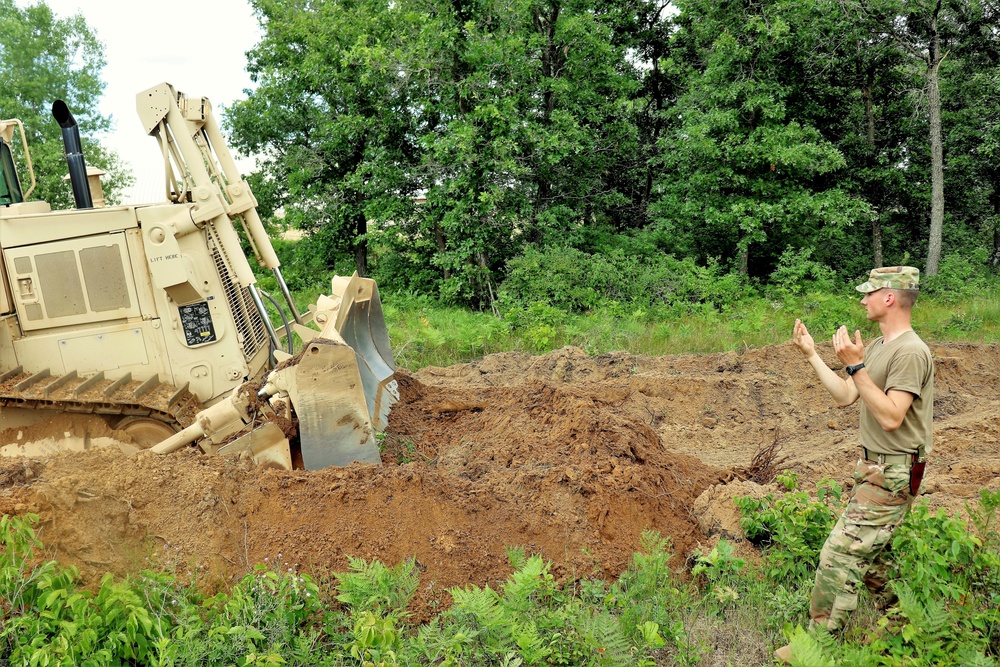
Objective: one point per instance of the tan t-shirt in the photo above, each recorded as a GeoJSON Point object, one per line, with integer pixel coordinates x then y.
{"type": "Point", "coordinates": [905, 364]}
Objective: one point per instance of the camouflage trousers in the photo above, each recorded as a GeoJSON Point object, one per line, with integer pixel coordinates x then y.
{"type": "Point", "coordinates": [854, 553]}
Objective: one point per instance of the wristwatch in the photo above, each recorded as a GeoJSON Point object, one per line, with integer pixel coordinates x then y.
{"type": "Point", "coordinates": [851, 370]}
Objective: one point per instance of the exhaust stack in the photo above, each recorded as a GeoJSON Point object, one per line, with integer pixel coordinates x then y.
{"type": "Point", "coordinates": [74, 154]}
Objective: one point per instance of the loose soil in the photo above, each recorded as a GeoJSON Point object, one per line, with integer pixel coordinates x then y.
{"type": "Point", "coordinates": [568, 456]}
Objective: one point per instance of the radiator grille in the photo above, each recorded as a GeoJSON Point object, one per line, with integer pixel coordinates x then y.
{"type": "Point", "coordinates": [249, 325]}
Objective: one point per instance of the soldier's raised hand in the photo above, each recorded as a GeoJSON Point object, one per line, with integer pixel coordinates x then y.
{"type": "Point", "coordinates": [851, 352]}
{"type": "Point", "coordinates": [802, 340]}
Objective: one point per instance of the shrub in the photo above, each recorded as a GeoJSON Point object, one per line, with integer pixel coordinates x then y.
{"type": "Point", "coordinates": [792, 527]}
{"type": "Point", "coordinates": [574, 281]}
{"type": "Point", "coordinates": [798, 273]}
{"type": "Point", "coordinates": [959, 276]}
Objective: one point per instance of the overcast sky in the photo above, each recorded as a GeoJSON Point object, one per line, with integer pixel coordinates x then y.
{"type": "Point", "coordinates": [199, 46]}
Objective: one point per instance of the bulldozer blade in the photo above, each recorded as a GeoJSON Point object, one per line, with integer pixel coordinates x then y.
{"type": "Point", "coordinates": [267, 445]}
{"type": "Point", "coordinates": [328, 395]}
{"type": "Point", "coordinates": [355, 312]}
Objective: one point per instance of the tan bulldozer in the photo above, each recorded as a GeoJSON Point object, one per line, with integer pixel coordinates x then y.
{"type": "Point", "coordinates": [148, 320]}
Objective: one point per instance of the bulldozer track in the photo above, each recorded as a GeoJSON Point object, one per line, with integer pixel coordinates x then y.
{"type": "Point", "coordinates": [96, 394]}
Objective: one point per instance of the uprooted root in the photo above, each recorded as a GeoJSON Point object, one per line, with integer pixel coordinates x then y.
{"type": "Point", "coordinates": [765, 464]}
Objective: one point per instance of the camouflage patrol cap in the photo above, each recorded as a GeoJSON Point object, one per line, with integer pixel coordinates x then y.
{"type": "Point", "coordinates": [891, 277]}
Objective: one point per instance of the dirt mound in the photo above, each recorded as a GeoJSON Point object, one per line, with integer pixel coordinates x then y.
{"type": "Point", "coordinates": [567, 455]}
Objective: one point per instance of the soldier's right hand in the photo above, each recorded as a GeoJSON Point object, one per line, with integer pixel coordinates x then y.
{"type": "Point", "coordinates": [802, 340]}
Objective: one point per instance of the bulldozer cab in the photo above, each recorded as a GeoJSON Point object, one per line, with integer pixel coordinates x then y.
{"type": "Point", "coordinates": [10, 185]}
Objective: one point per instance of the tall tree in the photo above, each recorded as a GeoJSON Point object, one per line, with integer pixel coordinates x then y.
{"type": "Point", "coordinates": [747, 174]}
{"type": "Point", "coordinates": [43, 58]}
{"type": "Point", "coordinates": [644, 29]}
{"type": "Point", "coordinates": [521, 130]}
{"type": "Point", "coordinates": [330, 116]}
{"type": "Point", "coordinates": [971, 122]}
{"type": "Point", "coordinates": [926, 30]}
{"type": "Point", "coordinates": [856, 97]}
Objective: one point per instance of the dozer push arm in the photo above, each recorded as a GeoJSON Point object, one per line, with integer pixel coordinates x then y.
{"type": "Point", "coordinates": [198, 165]}
{"type": "Point", "coordinates": [340, 388]}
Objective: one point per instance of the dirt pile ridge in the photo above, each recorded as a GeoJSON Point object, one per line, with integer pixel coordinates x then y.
{"type": "Point", "coordinates": [567, 455]}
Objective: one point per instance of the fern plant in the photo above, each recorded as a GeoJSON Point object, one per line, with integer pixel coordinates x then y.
{"type": "Point", "coordinates": [375, 587]}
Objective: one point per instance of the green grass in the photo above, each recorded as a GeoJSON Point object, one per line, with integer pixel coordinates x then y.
{"type": "Point", "coordinates": [424, 333]}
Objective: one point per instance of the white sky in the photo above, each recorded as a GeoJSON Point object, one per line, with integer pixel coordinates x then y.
{"type": "Point", "coordinates": [198, 46]}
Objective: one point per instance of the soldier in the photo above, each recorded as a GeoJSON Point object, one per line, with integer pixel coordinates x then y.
{"type": "Point", "coordinates": [894, 378]}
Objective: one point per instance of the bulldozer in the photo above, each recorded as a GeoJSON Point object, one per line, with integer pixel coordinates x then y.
{"type": "Point", "coordinates": [148, 318]}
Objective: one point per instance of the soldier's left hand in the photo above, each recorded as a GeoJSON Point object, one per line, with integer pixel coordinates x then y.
{"type": "Point", "coordinates": [850, 352]}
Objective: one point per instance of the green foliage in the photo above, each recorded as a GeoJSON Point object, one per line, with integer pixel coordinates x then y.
{"type": "Point", "coordinates": [722, 572]}
{"type": "Point", "coordinates": [266, 609]}
{"type": "Point", "coordinates": [585, 153]}
{"type": "Point", "coordinates": [797, 273]}
{"type": "Point", "coordinates": [948, 607]}
{"type": "Point", "coordinates": [946, 576]}
{"type": "Point", "coordinates": [375, 641]}
{"type": "Point", "coordinates": [573, 281]}
{"type": "Point", "coordinates": [373, 586]}
{"type": "Point", "coordinates": [45, 58]}
{"type": "Point", "coordinates": [793, 527]}
{"type": "Point", "coordinates": [47, 621]}
{"type": "Point", "coordinates": [424, 332]}
{"type": "Point", "coordinates": [532, 622]}
{"type": "Point", "coordinates": [960, 277]}
{"type": "Point", "coordinates": [649, 592]}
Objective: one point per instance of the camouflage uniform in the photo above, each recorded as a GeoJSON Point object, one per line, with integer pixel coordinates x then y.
{"type": "Point", "coordinates": [888, 475]}
{"type": "Point", "coordinates": [853, 552]}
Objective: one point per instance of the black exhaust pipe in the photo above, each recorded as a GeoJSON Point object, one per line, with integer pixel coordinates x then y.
{"type": "Point", "coordinates": [74, 154]}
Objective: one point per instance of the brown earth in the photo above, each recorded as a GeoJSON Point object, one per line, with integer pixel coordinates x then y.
{"type": "Point", "coordinates": [567, 455]}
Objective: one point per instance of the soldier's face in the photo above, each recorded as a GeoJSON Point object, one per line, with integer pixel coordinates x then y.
{"type": "Point", "coordinates": [874, 303]}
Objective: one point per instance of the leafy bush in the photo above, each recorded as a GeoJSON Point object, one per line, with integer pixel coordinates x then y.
{"type": "Point", "coordinates": [798, 273]}
{"type": "Point", "coordinates": [947, 576]}
{"type": "Point", "coordinates": [560, 277]}
{"type": "Point", "coordinates": [574, 281]}
{"type": "Point", "coordinates": [959, 277]}
{"type": "Point", "coordinates": [649, 592]}
{"type": "Point", "coordinates": [46, 620]}
{"type": "Point", "coordinates": [722, 572]}
{"type": "Point", "coordinates": [792, 527]}
{"type": "Point", "coordinates": [373, 586]}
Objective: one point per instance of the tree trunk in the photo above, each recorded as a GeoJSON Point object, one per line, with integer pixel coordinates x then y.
{"type": "Point", "coordinates": [552, 60]}
{"type": "Point", "coordinates": [937, 148]}
{"type": "Point", "coordinates": [996, 246]}
{"type": "Point", "coordinates": [866, 93]}
{"type": "Point", "coordinates": [995, 259]}
{"type": "Point", "coordinates": [488, 280]}
{"type": "Point", "coordinates": [877, 241]}
{"type": "Point", "coordinates": [361, 244]}
{"type": "Point", "coordinates": [441, 246]}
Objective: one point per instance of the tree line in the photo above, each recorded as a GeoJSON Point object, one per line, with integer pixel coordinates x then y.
{"type": "Point", "coordinates": [43, 58]}
{"type": "Point", "coordinates": [452, 147]}
{"type": "Point", "coordinates": [437, 141]}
